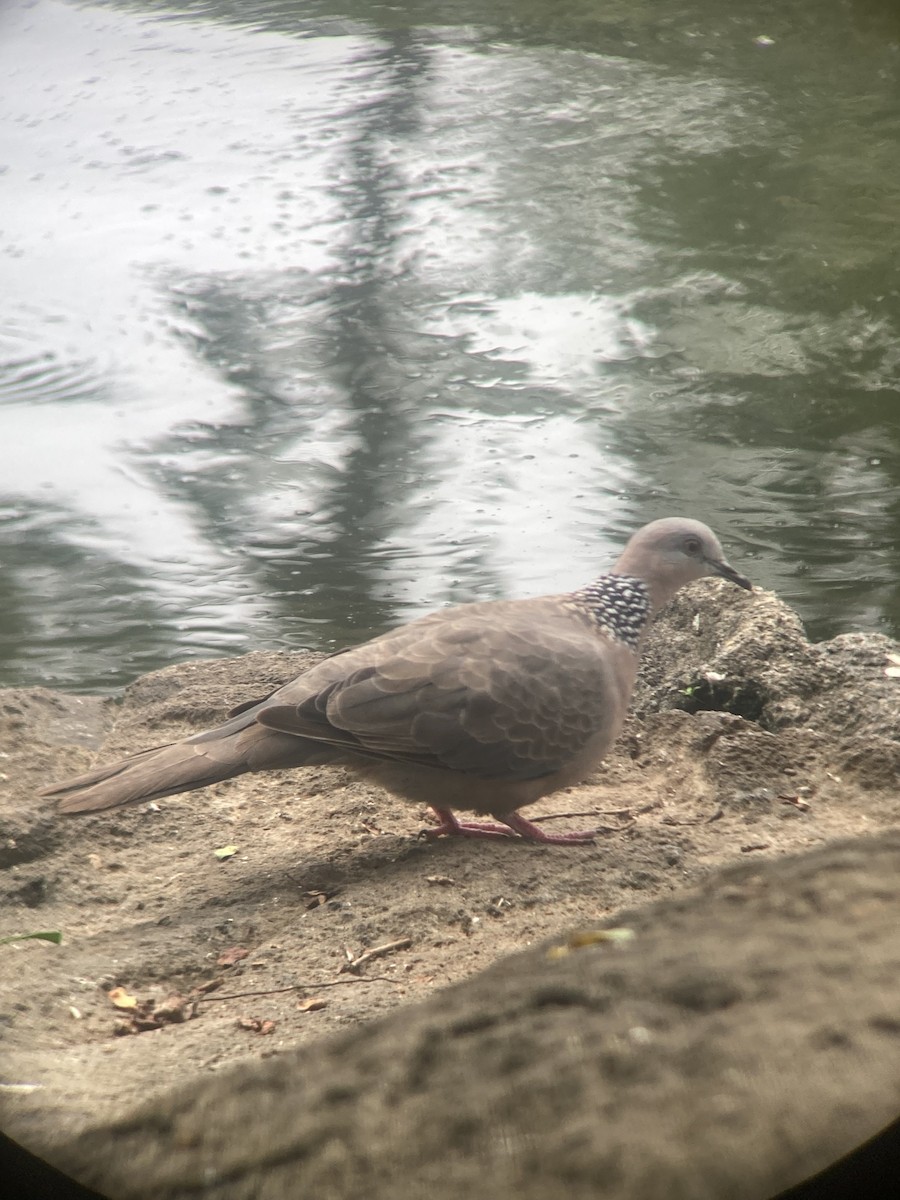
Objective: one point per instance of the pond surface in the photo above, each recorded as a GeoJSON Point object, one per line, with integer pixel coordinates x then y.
{"type": "Point", "coordinates": [314, 317]}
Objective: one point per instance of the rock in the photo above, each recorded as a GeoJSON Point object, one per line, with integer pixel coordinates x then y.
{"type": "Point", "coordinates": [742, 1039]}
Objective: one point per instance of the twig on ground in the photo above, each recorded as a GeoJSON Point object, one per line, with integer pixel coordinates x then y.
{"type": "Point", "coordinates": [593, 812]}
{"type": "Point", "coordinates": [296, 987]}
{"type": "Point", "coordinates": [354, 964]}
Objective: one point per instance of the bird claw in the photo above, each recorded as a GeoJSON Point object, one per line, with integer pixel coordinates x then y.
{"type": "Point", "coordinates": [513, 825]}
{"type": "Point", "coordinates": [533, 833]}
{"type": "Point", "coordinates": [450, 826]}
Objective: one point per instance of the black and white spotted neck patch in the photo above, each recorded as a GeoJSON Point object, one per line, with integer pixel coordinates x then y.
{"type": "Point", "coordinates": [619, 604]}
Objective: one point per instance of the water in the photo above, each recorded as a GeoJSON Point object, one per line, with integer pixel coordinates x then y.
{"type": "Point", "coordinates": [314, 318]}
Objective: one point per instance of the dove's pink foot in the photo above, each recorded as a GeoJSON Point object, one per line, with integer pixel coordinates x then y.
{"type": "Point", "coordinates": [449, 825]}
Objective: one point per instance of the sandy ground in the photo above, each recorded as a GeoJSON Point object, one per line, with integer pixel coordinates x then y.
{"type": "Point", "coordinates": [316, 939]}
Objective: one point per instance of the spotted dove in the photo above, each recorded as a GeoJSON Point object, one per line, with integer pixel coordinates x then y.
{"type": "Point", "coordinates": [483, 707]}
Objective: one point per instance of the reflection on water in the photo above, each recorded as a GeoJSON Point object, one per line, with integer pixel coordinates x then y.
{"type": "Point", "coordinates": [311, 323]}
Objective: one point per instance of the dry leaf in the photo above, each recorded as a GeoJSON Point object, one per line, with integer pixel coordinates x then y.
{"type": "Point", "coordinates": [231, 956]}
{"type": "Point", "coordinates": [209, 986]}
{"type": "Point", "coordinates": [174, 1009]}
{"type": "Point", "coordinates": [580, 938]}
{"type": "Point", "coordinates": [313, 1004]}
{"type": "Point", "coordinates": [795, 801]}
{"type": "Point", "coordinates": [145, 1024]}
{"type": "Point", "coordinates": [225, 852]}
{"type": "Point", "coordinates": [121, 999]}
{"type": "Point", "coordinates": [255, 1025]}
{"type": "Point", "coordinates": [145, 1015]}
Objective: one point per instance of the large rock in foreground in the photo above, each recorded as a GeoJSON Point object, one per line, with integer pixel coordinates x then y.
{"type": "Point", "coordinates": [743, 1038]}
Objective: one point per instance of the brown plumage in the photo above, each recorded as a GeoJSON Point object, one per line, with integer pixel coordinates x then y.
{"type": "Point", "coordinates": [483, 707]}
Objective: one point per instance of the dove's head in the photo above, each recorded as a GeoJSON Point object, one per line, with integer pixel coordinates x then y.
{"type": "Point", "coordinates": [671, 552]}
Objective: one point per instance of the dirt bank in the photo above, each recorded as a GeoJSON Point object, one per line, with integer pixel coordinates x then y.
{"type": "Point", "coordinates": [748, 1027]}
